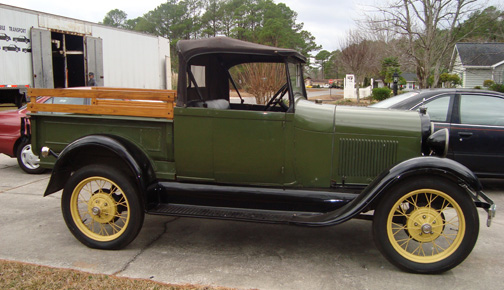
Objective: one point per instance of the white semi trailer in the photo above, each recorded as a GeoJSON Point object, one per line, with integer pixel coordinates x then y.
{"type": "Point", "coordinates": [42, 50]}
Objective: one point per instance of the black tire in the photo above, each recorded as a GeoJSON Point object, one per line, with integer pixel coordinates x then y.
{"type": "Point", "coordinates": [426, 225]}
{"type": "Point", "coordinates": [29, 162]}
{"type": "Point", "coordinates": [102, 207]}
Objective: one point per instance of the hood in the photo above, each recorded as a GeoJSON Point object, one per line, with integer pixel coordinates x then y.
{"type": "Point", "coordinates": [315, 117]}
{"type": "Point", "coordinates": [12, 117]}
{"type": "Point", "coordinates": [373, 122]}
{"type": "Point", "coordinates": [326, 118]}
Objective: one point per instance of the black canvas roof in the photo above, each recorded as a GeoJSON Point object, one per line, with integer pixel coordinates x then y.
{"type": "Point", "coordinates": [480, 54]}
{"type": "Point", "coordinates": [224, 45]}
{"type": "Point", "coordinates": [217, 55]}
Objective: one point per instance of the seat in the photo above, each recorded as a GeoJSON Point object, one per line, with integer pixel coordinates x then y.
{"type": "Point", "coordinates": [219, 104]}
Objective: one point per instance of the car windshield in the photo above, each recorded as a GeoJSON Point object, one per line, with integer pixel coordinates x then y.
{"type": "Point", "coordinates": [259, 80]}
{"type": "Point", "coordinates": [391, 102]}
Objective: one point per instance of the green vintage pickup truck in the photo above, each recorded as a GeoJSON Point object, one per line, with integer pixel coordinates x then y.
{"type": "Point", "coordinates": [193, 153]}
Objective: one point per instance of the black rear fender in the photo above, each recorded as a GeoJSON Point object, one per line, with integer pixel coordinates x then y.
{"type": "Point", "coordinates": [102, 150]}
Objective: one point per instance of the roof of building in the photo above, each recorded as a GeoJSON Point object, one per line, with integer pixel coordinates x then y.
{"type": "Point", "coordinates": [410, 77]}
{"type": "Point", "coordinates": [480, 54]}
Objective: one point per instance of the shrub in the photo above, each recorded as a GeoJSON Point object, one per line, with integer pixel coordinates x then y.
{"type": "Point", "coordinates": [381, 94]}
{"type": "Point", "coordinates": [478, 87]}
{"type": "Point", "coordinates": [497, 87]}
{"type": "Point", "coordinates": [488, 83]}
{"type": "Point", "coordinates": [450, 80]}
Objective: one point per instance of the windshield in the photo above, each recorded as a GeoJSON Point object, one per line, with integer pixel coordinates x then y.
{"type": "Point", "coordinates": [259, 81]}
{"type": "Point", "coordinates": [391, 102]}
{"type": "Point", "coordinates": [296, 80]}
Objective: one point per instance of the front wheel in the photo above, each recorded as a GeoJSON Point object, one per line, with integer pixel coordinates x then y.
{"type": "Point", "coordinates": [102, 208]}
{"type": "Point", "coordinates": [426, 225]}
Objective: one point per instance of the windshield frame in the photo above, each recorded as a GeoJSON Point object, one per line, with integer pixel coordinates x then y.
{"type": "Point", "coordinates": [296, 83]}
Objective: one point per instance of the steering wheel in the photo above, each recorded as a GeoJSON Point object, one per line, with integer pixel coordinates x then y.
{"type": "Point", "coordinates": [277, 99]}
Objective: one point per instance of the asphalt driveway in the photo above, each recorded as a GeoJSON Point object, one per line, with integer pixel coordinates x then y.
{"type": "Point", "coordinates": [232, 254]}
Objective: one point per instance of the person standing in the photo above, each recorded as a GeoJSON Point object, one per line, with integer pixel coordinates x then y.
{"type": "Point", "coordinates": [92, 81]}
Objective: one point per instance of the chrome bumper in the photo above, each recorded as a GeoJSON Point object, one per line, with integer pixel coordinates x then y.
{"type": "Point", "coordinates": [487, 204]}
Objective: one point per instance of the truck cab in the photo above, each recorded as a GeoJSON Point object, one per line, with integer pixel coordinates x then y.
{"type": "Point", "coordinates": [283, 139]}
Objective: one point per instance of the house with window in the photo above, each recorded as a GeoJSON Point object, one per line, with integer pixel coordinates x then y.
{"type": "Point", "coordinates": [411, 81]}
{"type": "Point", "coordinates": [309, 82]}
{"type": "Point", "coordinates": [477, 62]}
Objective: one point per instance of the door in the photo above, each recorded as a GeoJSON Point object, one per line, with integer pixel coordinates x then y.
{"type": "Point", "coordinates": [249, 147]}
{"type": "Point", "coordinates": [42, 59]}
{"type": "Point", "coordinates": [230, 146]}
{"type": "Point", "coordinates": [477, 136]}
{"type": "Point", "coordinates": [94, 58]}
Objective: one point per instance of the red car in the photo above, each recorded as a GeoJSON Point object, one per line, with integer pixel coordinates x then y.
{"type": "Point", "coordinates": [11, 142]}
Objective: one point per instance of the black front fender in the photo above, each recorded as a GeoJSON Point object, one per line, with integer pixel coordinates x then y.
{"type": "Point", "coordinates": [420, 166]}
{"type": "Point", "coordinates": [100, 149]}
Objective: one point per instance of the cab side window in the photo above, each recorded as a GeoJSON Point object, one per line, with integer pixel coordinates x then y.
{"type": "Point", "coordinates": [481, 110]}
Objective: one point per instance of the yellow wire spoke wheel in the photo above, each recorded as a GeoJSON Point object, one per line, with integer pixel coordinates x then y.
{"type": "Point", "coordinates": [102, 208]}
{"type": "Point", "coordinates": [426, 224]}
{"type": "Point", "coordinates": [99, 209]}
{"type": "Point", "coordinates": [434, 226]}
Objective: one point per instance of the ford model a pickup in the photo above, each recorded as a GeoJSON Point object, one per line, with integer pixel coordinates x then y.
{"type": "Point", "coordinates": [288, 160]}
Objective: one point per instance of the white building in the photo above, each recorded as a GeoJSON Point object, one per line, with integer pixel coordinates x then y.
{"type": "Point", "coordinates": [477, 62]}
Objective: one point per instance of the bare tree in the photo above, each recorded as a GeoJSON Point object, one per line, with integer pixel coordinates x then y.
{"type": "Point", "coordinates": [427, 27]}
{"type": "Point", "coordinates": [262, 80]}
{"type": "Point", "coordinates": [357, 56]}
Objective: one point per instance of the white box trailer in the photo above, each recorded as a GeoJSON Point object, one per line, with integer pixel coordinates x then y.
{"type": "Point", "coordinates": [42, 50]}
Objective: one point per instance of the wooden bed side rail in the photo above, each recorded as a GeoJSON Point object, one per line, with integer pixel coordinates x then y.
{"type": "Point", "coordinates": [108, 101]}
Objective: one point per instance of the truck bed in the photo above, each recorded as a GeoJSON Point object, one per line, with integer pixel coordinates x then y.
{"type": "Point", "coordinates": [143, 117]}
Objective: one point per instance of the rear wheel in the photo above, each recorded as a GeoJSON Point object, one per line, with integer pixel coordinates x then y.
{"type": "Point", "coordinates": [102, 208]}
{"type": "Point", "coordinates": [29, 162]}
{"type": "Point", "coordinates": [426, 225]}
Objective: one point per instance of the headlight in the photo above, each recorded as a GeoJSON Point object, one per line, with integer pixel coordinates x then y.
{"type": "Point", "coordinates": [438, 142]}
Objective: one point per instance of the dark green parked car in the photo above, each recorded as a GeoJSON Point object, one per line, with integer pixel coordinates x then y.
{"type": "Point", "coordinates": [287, 161]}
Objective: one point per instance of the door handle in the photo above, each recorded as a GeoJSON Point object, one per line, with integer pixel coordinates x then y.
{"type": "Point", "coordinates": [463, 135]}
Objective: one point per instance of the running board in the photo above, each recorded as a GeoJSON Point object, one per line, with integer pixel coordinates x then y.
{"type": "Point", "coordinates": [266, 216]}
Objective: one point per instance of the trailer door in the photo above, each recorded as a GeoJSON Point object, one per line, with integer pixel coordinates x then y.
{"type": "Point", "coordinates": [42, 58]}
{"type": "Point", "coordinates": [94, 58]}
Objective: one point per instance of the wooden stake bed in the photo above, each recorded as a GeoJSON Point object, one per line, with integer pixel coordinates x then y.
{"type": "Point", "coordinates": [108, 101]}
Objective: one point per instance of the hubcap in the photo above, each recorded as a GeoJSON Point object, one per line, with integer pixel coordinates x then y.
{"type": "Point", "coordinates": [422, 224]}
{"type": "Point", "coordinates": [29, 159]}
{"type": "Point", "coordinates": [96, 211]}
{"type": "Point", "coordinates": [427, 229]}
{"type": "Point", "coordinates": [102, 207]}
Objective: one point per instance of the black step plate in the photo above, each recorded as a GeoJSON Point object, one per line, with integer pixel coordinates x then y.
{"type": "Point", "coordinates": [267, 216]}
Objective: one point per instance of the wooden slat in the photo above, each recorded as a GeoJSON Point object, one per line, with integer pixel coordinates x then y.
{"type": "Point", "coordinates": [154, 104]}
{"type": "Point", "coordinates": [109, 101]}
{"type": "Point", "coordinates": [104, 94]}
{"type": "Point", "coordinates": [129, 89]}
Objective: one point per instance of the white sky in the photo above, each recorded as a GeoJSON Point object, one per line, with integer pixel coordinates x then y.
{"type": "Point", "coordinates": [327, 20]}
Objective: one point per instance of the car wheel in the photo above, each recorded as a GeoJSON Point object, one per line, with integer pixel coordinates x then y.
{"type": "Point", "coordinates": [29, 162]}
{"type": "Point", "coordinates": [102, 208]}
{"type": "Point", "coordinates": [426, 225]}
